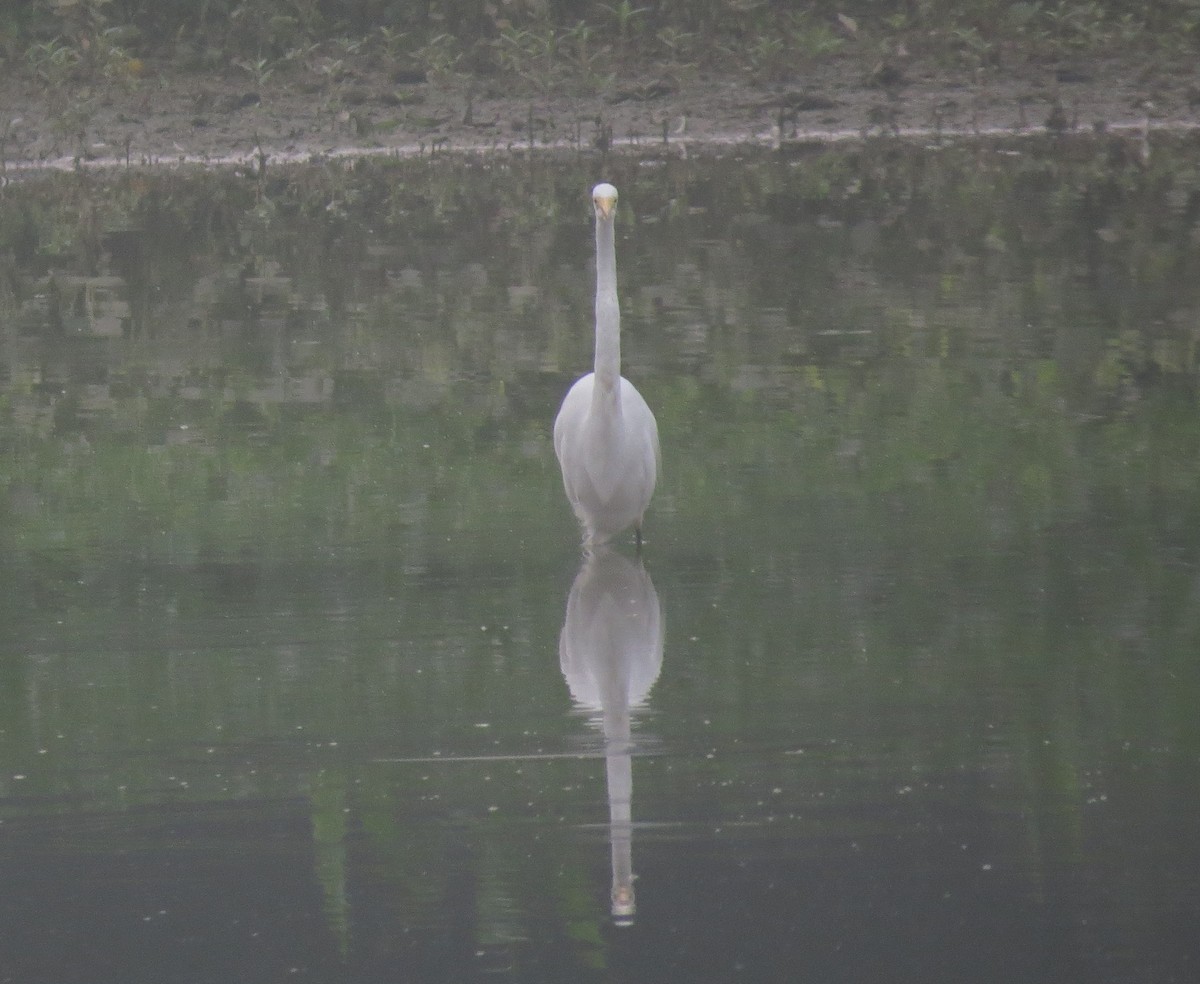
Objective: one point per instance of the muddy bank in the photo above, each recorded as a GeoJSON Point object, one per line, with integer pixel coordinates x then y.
{"type": "Point", "coordinates": [164, 117]}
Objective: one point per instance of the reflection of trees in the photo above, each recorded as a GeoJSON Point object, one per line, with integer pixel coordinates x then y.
{"type": "Point", "coordinates": [416, 274]}
{"type": "Point", "coordinates": [951, 463]}
{"type": "Point", "coordinates": [881, 337]}
{"type": "Point", "coordinates": [350, 353]}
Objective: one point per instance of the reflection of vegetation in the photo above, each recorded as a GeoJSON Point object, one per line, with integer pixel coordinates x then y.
{"type": "Point", "coordinates": [249, 311]}
{"type": "Point", "coordinates": [932, 462]}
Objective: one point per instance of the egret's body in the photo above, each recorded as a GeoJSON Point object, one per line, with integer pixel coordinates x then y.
{"type": "Point", "coordinates": [605, 436]}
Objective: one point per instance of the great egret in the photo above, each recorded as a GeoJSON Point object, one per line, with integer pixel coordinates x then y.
{"type": "Point", "coordinates": [605, 436]}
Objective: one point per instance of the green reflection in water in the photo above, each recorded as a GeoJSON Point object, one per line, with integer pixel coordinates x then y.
{"type": "Point", "coordinates": [279, 503]}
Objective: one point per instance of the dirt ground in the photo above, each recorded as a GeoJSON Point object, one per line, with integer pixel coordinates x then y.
{"type": "Point", "coordinates": [165, 117]}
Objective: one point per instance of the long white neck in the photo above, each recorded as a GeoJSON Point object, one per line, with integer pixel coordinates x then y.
{"type": "Point", "coordinates": [608, 313]}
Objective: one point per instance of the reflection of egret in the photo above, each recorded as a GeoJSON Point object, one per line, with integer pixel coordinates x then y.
{"type": "Point", "coordinates": [605, 435]}
{"type": "Point", "coordinates": [610, 651]}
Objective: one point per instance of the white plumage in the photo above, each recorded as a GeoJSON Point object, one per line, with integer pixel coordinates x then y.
{"type": "Point", "coordinates": [605, 436]}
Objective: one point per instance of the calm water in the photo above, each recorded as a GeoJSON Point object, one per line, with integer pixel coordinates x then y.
{"type": "Point", "coordinates": [301, 675]}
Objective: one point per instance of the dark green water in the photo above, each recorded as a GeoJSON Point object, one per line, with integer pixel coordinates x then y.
{"type": "Point", "coordinates": [300, 675]}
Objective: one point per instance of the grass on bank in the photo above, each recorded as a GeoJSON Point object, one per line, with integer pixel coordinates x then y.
{"type": "Point", "coordinates": [540, 44]}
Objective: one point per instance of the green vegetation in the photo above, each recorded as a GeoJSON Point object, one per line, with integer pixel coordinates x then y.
{"type": "Point", "coordinates": [547, 43]}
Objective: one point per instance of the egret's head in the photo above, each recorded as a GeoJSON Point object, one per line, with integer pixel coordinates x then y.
{"type": "Point", "coordinates": [604, 197]}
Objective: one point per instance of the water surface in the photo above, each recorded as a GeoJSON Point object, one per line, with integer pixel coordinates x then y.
{"type": "Point", "coordinates": [304, 674]}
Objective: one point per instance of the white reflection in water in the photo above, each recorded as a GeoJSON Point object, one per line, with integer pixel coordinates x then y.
{"type": "Point", "coordinates": [610, 651]}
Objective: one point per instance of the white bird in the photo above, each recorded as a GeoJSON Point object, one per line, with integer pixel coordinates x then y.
{"type": "Point", "coordinates": [605, 436]}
